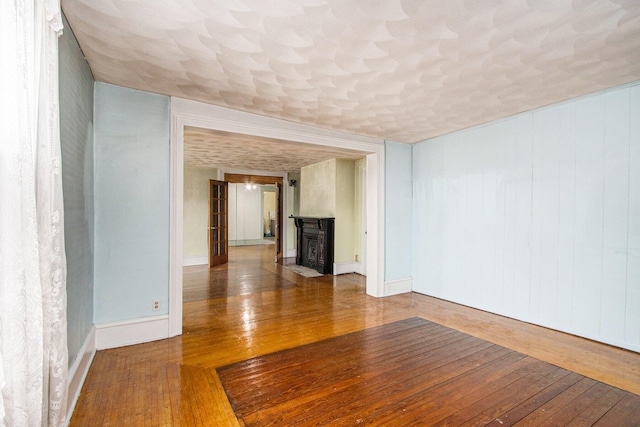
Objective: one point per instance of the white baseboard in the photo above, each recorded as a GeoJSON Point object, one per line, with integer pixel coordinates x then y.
{"type": "Point", "coordinates": [78, 371]}
{"type": "Point", "coordinates": [291, 253]}
{"type": "Point", "coordinates": [345, 267]}
{"type": "Point", "coordinates": [399, 286]}
{"type": "Point", "coordinates": [128, 332]}
{"type": "Point", "coordinates": [195, 260]}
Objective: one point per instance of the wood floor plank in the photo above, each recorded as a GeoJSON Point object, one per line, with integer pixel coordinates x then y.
{"type": "Point", "coordinates": [506, 386]}
{"type": "Point", "coordinates": [252, 307]}
{"type": "Point", "coordinates": [295, 410]}
{"type": "Point", "coordinates": [536, 401]}
{"type": "Point", "coordinates": [598, 408]}
{"type": "Point", "coordinates": [580, 404]}
{"type": "Point", "coordinates": [344, 351]}
{"type": "Point", "coordinates": [626, 411]}
{"type": "Point", "coordinates": [611, 365]}
{"type": "Point", "coordinates": [461, 396]}
{"type": "Point", "coordinates": [404, 379]}
{"type": "Point", "coordinates": [209, 402]}
{"type": "Point", "coordinates": [496, 403]}
{"type": "Point", "coordinates": [328, 371]}
{"type": "Point", "coordinates": [428, 393]}
{"type": "Point", "coordinates": [545, 414]}
{"type": "Point", "coordinates": [352, 361]}
{"type": "Point", "coordinates": [381, 385]}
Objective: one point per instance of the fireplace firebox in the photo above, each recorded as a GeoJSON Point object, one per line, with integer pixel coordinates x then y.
{"type": "Point", "coordinates": [315, 243]}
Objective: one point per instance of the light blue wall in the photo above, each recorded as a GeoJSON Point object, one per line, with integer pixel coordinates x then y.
{"type": "Point", "coordinates": [537, 217]}
{"type": "Point", "coordinates": [398, 211]}
{"type": "Point", "coordinates": [132, 158]}
{"type": "Point", "coordinates": [76, 140]}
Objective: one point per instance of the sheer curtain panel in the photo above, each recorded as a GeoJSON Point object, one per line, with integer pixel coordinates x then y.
{"type": "Point", "coordinates": [33, 341]}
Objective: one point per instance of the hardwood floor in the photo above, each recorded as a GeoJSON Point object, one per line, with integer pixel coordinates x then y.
{"type": "Point", "coordinates": [415, 372]}
{"type": "Point", "coordinates": [265, 308]}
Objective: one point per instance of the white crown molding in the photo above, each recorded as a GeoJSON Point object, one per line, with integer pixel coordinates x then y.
{"type": "Point", "coordinates": [206, 115]}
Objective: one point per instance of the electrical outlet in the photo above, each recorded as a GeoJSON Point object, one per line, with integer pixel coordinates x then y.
{"type": "Point", "coordinates": [156, 305]}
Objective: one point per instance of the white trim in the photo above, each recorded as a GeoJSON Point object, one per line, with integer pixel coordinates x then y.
{"type": "Point", "coordinates": [206, 115]}
{"type": "Point", "coordinates": [360, 268]}
{"type": "Point", "coordinates": [362, 170]}
{"type": "Point", "coordinates": [128, 332]}
{"type": "Point", "coordinates": [627, 345]}
{"type": "Point", "coordinates": [399, 286]}
{"type": "Point", "coordinates": [250, 242]}
{"type": "Point", "coordinates": [253, 172]}
{"type": "Point", "coordinates": [568, 330]}
{"type": "Point", "coordinates": [291, 253]}
{"type": "Point", "coordinates": [176, 199]}
{"type": "Point", "coordinates": [375, 223]}
{"type": "Point", "coordinates": [78, 371]}
{"type": "Point", "coordinates": [195, 260]}
{"type": "Point", "coordinates": [191, 113]}
{"type": "Point", "coordinates": [345, 267]}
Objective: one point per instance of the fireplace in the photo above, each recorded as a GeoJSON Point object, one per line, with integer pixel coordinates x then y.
{"type": "Point", "coordinates": [315, 243]}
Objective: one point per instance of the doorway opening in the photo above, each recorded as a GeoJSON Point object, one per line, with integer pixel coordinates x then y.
{"type": "Point", "coordinates": [248, 222]}
{"type": "Point", "coordinates": [288, 138]}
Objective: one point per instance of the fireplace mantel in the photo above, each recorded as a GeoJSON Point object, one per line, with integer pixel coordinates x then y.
{"type": "Point", "coordinates": [315, 242]}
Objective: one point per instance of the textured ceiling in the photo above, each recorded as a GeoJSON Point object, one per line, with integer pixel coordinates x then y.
{"type": "Point", "coordinates": [206, 148]}
{"type": "Point", "coordinates": [403, 70]}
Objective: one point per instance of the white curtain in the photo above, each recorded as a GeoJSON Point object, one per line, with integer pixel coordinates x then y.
{"type": "Point", "coordinates": [33, 342]}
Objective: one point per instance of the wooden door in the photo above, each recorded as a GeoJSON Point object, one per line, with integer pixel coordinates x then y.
{"type": "Point", "coordinates": [279, 210]}
{"type": "Point", "coordinates": [218, 230]}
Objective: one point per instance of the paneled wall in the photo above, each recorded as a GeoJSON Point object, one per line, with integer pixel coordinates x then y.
{"type": "Point", "coordinates": [398, 202]}
{"type": "Point", "coordinates": [131, 203]}
{"type": "Point", "coordinates": [537, 217]}
{"type": "Point", "coordinates": [76, 140]}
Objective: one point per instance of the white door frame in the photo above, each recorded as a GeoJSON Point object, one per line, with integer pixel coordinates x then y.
{"type": "Point", "coordinates": [191, 113]}
{"type": "Point", "coordinates": [363, 221]}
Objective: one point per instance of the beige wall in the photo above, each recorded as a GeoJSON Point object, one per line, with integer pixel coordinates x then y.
{"type": "Point", "coordinates": [344, 247]}
{"type": "Point", "coordinates": [318, 189]}
{"type": "Point", "coordinates": [292, 208]}
{"type": "Point", "coordinates": [358, 209]}
{"type": "Point", "coordinates": [268, 205]}
{"type": "Point", "coordinates": [328, 189]}
{"type": "Point", "coordinates": [195, 207]}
